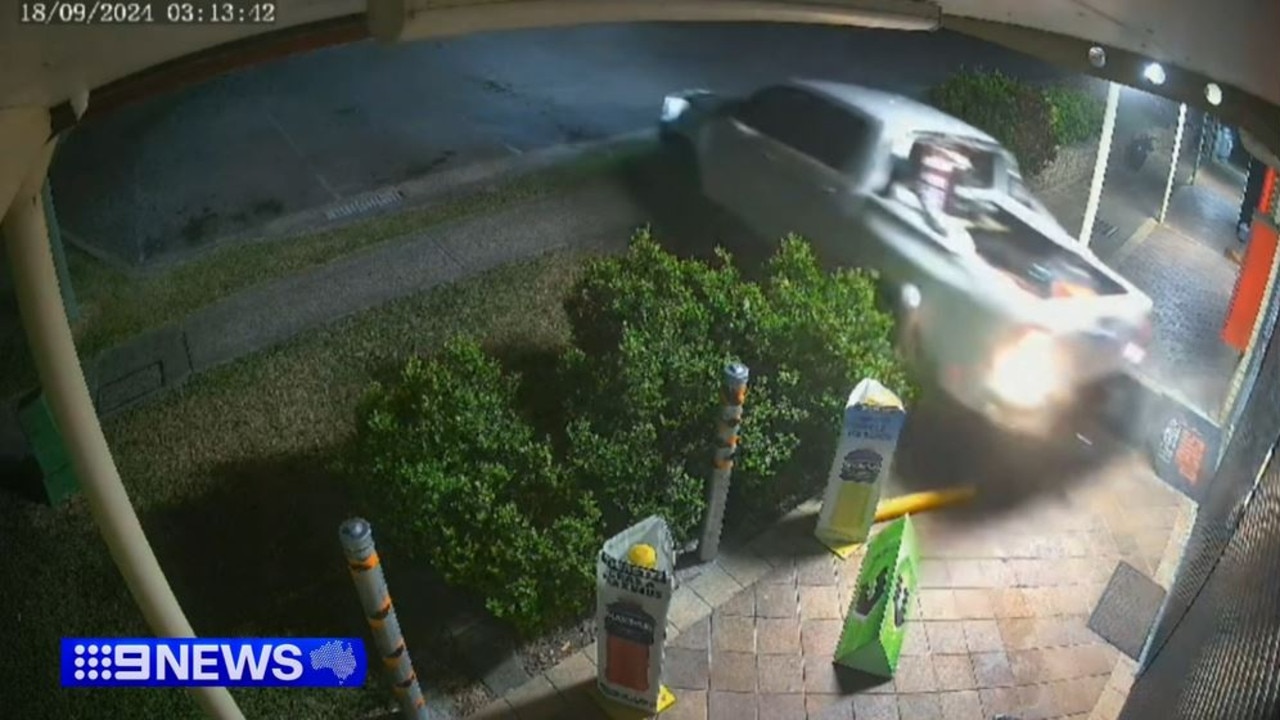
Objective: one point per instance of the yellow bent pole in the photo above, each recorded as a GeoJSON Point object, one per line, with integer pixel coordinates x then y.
{"type": "Point", "coordinates": [894, 508]}
{"type": "Point", "coordinates": [53, 350]}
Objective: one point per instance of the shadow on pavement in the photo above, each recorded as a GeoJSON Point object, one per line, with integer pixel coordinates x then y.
{"type": "Point", "coordinates": [944, 446]}
{"type": "Point", "coordinates": [855, 681]}
{"type": "Point", "coordinates": [790, 536]}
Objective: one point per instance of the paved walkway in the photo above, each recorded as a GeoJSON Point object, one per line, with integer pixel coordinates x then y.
{"type": "Point", "coordinates": [999, 625]}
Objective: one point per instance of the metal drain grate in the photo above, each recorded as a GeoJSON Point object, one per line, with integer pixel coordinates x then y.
{"type": "Point", "coordinates": [363, 204]}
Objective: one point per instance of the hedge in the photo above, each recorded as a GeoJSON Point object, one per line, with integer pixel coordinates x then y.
{"type": "Point", "coordinates": [467, 486]}
{"type": "Point", "coordinates": [1077, 115]}
{"type": "Point", "coordinates": [1031, 122]}
{"type": "Point", "coordinates": [515, 517]}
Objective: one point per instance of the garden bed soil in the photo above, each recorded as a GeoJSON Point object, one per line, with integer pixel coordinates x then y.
{"type": "Point", "coordinates": [468, 699]}
{"type": "Point", "coordinates": [539, 656]}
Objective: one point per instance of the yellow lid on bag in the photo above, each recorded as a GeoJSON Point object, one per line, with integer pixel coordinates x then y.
{"type": "Point", "coordinates": [643, 555]}
{"type": "Point", "coordinates": [880, 397]}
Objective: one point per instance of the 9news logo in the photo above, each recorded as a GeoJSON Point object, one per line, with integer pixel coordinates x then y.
{"type": "Point", "coordinates": [229, 662]}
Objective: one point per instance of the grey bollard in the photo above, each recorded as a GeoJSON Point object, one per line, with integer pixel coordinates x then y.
{"type": "Point", "coordinates": [735, 393]}
{"type": "Point", "coordinates": [371, 586]}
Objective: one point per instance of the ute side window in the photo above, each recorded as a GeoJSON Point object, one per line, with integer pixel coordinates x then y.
{"type": "Point", "coordinates": [807, 123]}
{"type": "Point", "coordinates": [831, 134]}
{"type": "Point", "coordinates": [769, 112]}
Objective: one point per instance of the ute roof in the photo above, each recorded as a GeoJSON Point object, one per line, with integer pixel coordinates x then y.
{"type": "Point", "coordinates": [899, 114]}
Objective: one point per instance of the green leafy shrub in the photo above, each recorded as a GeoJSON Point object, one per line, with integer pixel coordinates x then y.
{"type": "Point", "coordinates": [1014, 112]}
{"type": "Point", "coordinates": [1077, 115]}
{"type": "Point", "coordinates": [821, 334]}
{"type": "Point", "coordinates": [654, 334]}
{"type": "Point", "coordinates": [468, 488]}
{"type": "Point", "coordinates": [461, 476]}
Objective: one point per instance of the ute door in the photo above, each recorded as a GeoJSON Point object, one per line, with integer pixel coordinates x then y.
{"type": "Point", "coordinates": [741, 146]}
{"type": "Point", "coordinates": [812, 177]}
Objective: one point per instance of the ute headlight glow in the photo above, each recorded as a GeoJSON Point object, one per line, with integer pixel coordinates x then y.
{"type": "Point", "coordinates": [1027, 372]}
{"type": "Point", "coordinates": [673, 107]}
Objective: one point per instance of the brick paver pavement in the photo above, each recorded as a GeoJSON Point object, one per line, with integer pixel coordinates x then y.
{"type": "Point", "coordinates": [999, 626]}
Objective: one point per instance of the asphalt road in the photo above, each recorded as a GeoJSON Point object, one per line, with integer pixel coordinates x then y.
{"type": "Point", "coordinates": [177, 172]}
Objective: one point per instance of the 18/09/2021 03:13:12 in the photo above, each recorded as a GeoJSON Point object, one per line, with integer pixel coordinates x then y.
{"type": "Point", "coordinates": [247, 13]}
{"type": "Point", "coordinates": [147, 12]}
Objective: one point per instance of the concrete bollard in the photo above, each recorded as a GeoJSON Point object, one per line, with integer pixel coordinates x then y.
{"type": "Point", "coordinates": [371, 585]}
{"type": "Point", "coordinates": [735, 393]}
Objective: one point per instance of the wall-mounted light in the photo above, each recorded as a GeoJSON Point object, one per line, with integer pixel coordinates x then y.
{"type": "Point", "coordinates": [1213, 94]}
{"type": "Point", "coordinates": [1097, 56]}
{"type": "Point", "coordinates": [1154, 73]}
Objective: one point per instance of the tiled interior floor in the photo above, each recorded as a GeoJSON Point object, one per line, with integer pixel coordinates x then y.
{"type": "Point", "coordinates": [1191, 287]}
{"type": "Point", "coordinates": [1000, 625]}
{"type": "Point", "coordinates": [1207, 211]}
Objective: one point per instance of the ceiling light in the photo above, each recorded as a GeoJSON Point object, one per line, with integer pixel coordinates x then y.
{"type": "Point", "coordinates": [1154, 73]}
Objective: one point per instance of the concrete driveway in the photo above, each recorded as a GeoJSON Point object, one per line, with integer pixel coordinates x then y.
{"type": "Point", "coordinates": [178, 172]}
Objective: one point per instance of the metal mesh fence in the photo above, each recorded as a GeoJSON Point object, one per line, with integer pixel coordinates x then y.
{"type": "Point", "coordinates": [1214, 651]}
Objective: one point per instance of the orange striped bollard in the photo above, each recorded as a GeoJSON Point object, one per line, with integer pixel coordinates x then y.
{"type": "Point", "coordinates": [735, 393]}
{"type": "Point", "coordinates": [371, 586]}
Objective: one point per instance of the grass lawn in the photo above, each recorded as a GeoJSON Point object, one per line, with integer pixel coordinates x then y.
{"type": "Point", "coordinates": [233, 478]}
{"type": "Point", "coordinates": [115, 306]}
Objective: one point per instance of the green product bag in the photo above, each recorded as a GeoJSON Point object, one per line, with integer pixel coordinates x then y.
{"type": "Point", "coordinates": [875, 625]}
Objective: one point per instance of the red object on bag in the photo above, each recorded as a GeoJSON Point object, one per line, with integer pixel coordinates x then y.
{"type": "Point", "coordinates": [629, 635]}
